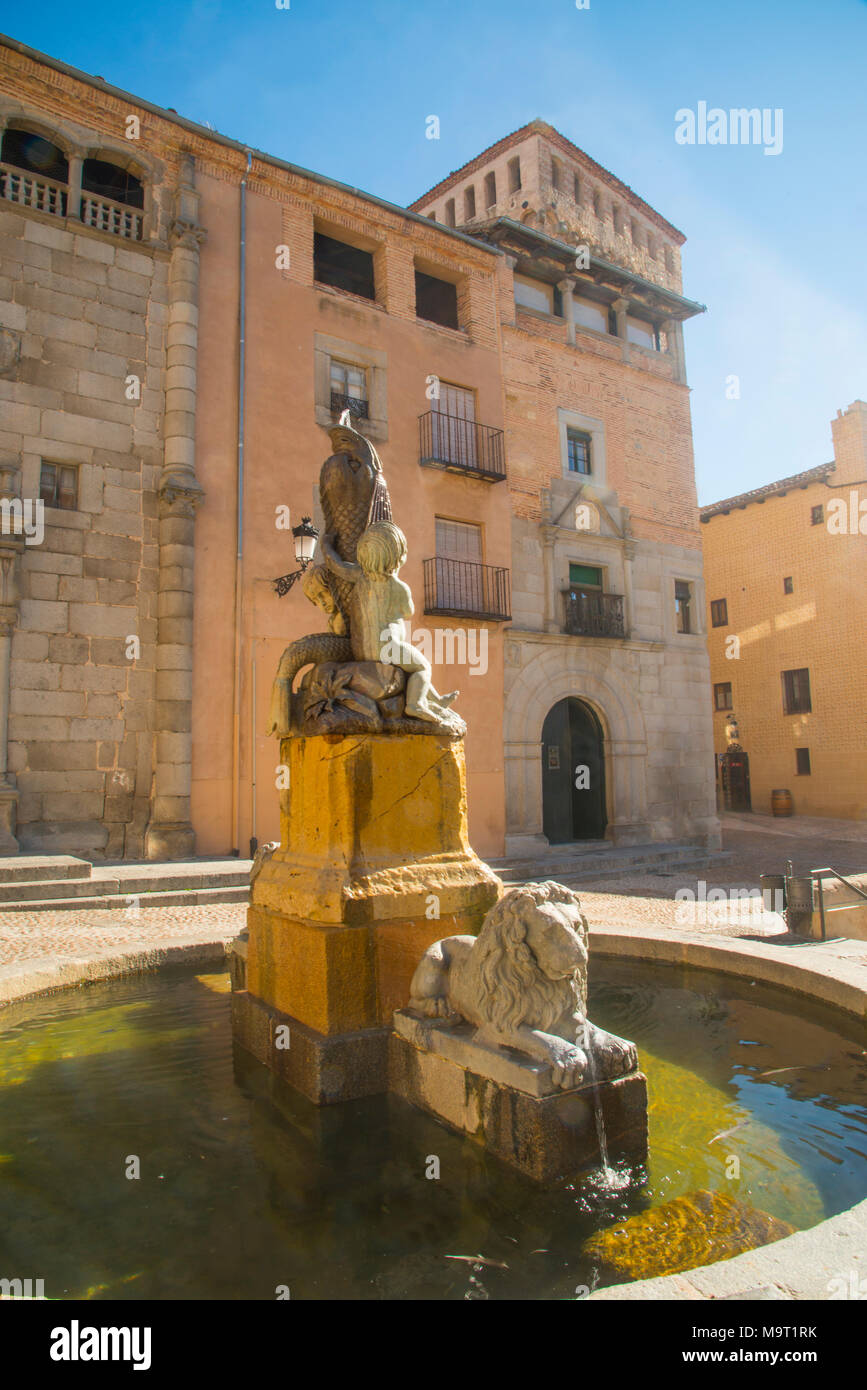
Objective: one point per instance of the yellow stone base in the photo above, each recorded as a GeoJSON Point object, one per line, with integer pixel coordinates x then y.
{"type": "Point", "coordinates": [374, 842]}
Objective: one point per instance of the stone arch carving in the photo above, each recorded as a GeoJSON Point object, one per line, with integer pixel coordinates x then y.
{"type": "Point", "coordinates": [553, 673]}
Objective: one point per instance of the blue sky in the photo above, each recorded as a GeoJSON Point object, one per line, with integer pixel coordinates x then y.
{"type": "Point", "coordinates": [775, 244]}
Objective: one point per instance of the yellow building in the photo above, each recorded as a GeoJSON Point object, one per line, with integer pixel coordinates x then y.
{"type": "Point", "coordinates": [786, 581]}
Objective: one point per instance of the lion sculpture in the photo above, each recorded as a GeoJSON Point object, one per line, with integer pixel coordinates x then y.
{"type": "Point", "coordinates": [523, 983]}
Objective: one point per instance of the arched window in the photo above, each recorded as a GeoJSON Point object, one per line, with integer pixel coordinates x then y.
{"type": "Point", "coordinates": [34, 172]}
{"type": "Point", "coordinates": [111, 198]}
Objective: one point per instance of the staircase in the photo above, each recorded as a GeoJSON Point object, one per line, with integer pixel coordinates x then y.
{"type": "Point", "coordinates": [57, 883]}
{"type": "Point", "coordinates": [578, 863]}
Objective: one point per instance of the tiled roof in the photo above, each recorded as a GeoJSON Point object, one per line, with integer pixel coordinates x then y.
{"type": "Point", "coordinates": [783, 485]}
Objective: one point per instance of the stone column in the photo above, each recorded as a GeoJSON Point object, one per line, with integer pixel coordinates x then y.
{"type": "Point", "coordinates": [170, 833]}
{"type": "Point", "coordinates": [628, 605]}
{"type": "Point", "coordinates": [11, 546]}
{"type": "Point", "coordinates": [620, 307]}
{"type": "Point", "coordinates": [673, 331]}
{"type": "Point", "coordinates": [566, 288]}
{"type": "Point", "coordinates": [73, 197]}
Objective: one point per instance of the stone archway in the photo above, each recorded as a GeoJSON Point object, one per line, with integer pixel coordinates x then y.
{"type": "Point", "coordinates": [551, 672]}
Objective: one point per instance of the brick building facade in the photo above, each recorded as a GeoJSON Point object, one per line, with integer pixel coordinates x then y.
{"type": "Point", "coordinates": [183, 319]}
{"type": "Point", "coordinates": [786, 576]}
{"type": "Point", "coordinates": [606, 656]}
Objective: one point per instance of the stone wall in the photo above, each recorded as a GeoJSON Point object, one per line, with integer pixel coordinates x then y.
{"type": "Point", "coordinates": [90, 312]}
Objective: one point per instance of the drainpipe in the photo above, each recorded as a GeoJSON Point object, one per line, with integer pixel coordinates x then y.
{"type": "Point", "coordinates": [239, 558]}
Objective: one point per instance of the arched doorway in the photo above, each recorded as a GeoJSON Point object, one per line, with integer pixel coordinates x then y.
{"type": "Point", "coordinates": [573, 774]}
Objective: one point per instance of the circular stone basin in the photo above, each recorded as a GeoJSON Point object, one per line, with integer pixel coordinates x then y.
{"type": "Point", "coordinates": [757, 1127]}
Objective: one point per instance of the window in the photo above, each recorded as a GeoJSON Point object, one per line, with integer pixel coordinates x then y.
{"type": "Point", "coordinates": [490, 189]}
{"type": "Point", "coordinates": [682, 605]}
{"type": "Point", "coordinates": [578, 447]}
{"type": "Point", "coordinates": [454, 437]}
{"type": "Point", "coordinates": [450, 212]}
{"type": "Point", "coordinates": [796, 691]}
{"type": "Point", "coordinates": [534, 294]}
{"type": "Point", "coordinates": [643, 333]}
{"type": "Point", "coordinates": [458, 540]}
{"type": "Point", "coordinates": [722, 695]}
{"type": "Point", "coordinates": [589, 314]}
{"type": "Point", "coordinates": [469, 203]}
{"type": "Point", "coordinates": [582, 428]}
{"type": "Point", "coordinates": [817, 515]}
{"type": "Point", "coordinates": [514, 175]}
{"type": "Point", "coordinates": [58, 486]}
{"type": "Point", "coordinates": [44, 172]}
{"type": "Point", "coordinates": [617, 215]}
{"type": "Point", "coordinates": [462, 581]}
{"type": "Point", "coordinates": [597, 203]}
{"type": "Point", "coordinates": [359, 374]}
{"type": "Point", "coordinates": [669, 259]}
{"type": "Point", "coordinates": [110, 181]}
{"type": "Point", "coordinates": [802, 762]}
{"type": "Point", "coordinates": [788, 585]}
{"type": "Point", "coordinates": [436, 300]}
{"type": "Point", "coordinates": [584, 578]}
{"type": "Point", "coordinates": [635, 232]}
{"type": "Point", "coordinates": [651, 247]}
{"type": "Point", "coordinates": [555, 174]}
{"type": "Point", "coordinates": [345, 267]}
{"type": "Point", "coordinates": [719, 613]}
{"type": "Point", "coordinates": [36, 155]}
{"type": "Point", "coordinates": [349, 389]}
{"type": "Point", "coordinates": [576, 188]}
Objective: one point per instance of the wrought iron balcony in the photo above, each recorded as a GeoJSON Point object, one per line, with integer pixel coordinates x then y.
{"type": "Point", "coordinates": [353, 404]}
{"type": "Point", "coordinates": [593, 614]}
{"type": "Point", "coordinates": [465, 589]}
{"type": "Point", "coordinates": [462, 446]}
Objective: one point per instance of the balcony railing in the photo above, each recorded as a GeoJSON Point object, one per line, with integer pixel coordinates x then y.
{"type": "Point", "coordinates": [108, 216]}
{"type": "Point", "coordinates": [353, 404]}
{"type": "Point", "coordinates": [46, 195]}
{"type": "Point", "coordinates": [464, 446]}
{"type": "Point", "coordinates": [31, 191]}
{"type": "Point", "coordinates": [593, 615]}
{"type": "Point", "coordinates": [465, 589]}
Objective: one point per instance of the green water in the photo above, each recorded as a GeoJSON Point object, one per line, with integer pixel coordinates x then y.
{"type": "Point", "coordinates": [240, 1193]}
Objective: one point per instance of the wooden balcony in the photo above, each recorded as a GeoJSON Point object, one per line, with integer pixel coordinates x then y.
{"type": "Point", "coordinates": [465, 589]}
{"type": "Point", "coordinates": [588, 614]}
{"type": "Point", "coordinates": [462, 446]}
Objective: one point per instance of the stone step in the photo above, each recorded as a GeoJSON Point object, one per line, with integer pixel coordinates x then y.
{"type": "Point", "coordinates": [122, 903]}
{"type": "Point", "coordinates": [29, 868]}
{"type": "Point", "coordinates": [613, 864]}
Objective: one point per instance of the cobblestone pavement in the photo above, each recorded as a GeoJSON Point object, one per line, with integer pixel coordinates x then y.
{"type": "Point", "coordinates": [759, 843]}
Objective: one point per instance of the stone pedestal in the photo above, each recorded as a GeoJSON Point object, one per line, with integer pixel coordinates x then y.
{"type": "Point", "coordinates": [509, 1104]}
{"type": "Point", "coordinates": [374, 865]}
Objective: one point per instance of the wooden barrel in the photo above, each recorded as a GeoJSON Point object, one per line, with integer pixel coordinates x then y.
{"type": "Point", "coordinates": [781, 802]}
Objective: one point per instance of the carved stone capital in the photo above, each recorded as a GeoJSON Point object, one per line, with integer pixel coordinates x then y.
{"type": "Point", "coordinates": [179, 496]}
{"type": "Point", "coordinates": [187, 234]}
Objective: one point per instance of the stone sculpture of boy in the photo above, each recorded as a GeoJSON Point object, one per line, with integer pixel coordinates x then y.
{"type": "Point", "coordinates": [379, 604]}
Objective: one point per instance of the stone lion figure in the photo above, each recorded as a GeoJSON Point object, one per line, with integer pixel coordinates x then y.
{"type": "Point", "coordinates": [523, 983]}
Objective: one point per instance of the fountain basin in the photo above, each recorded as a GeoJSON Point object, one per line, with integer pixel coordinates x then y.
{"type": "Point", "coordinates": [346, 1189]}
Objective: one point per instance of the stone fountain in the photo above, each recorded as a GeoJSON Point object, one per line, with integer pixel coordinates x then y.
{"type": "Point", "coordinates": [345, 983]}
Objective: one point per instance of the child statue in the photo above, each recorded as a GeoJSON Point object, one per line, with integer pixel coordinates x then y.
{"type": "Point", "coordinates": [378, 605]}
